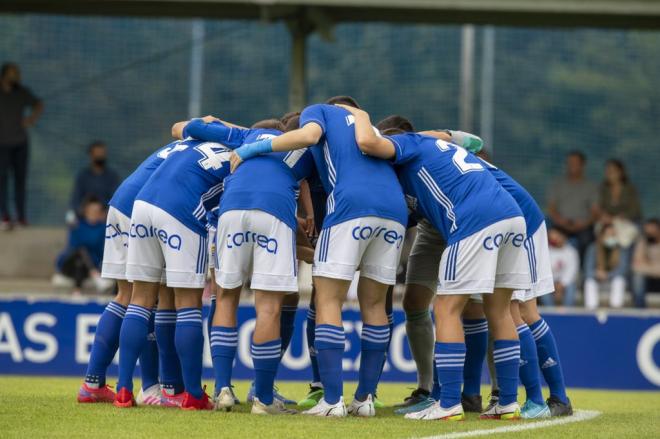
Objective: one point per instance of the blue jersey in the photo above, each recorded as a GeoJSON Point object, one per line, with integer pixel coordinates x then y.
{"type": "Point", "coordinates": [531, 211]}
{"type": "Point", "coordinates": [190, 182]}
{"type": "Point", "coordinates": [450, 187]}
{"type": "Point", "coordinates": [357, 185]}
{"type": "Point", "coordinates": [269, 182]}
{"type": "Point", "coordinates": [124, 196]}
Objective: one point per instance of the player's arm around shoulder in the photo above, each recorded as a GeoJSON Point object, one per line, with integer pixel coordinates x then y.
{"type": "Point", "coordinates": [368, 139]}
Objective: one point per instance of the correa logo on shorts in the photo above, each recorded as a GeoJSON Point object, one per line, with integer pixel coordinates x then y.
{"type": "Point", "coordinates": [365, 232]}
{"type": "Point", "coordinates": [141, 231]}
{"type": "Point", "coordinates": [263, 241]}
{"type": "Point", "coordinates": [500, 240]}
{"type": "Point", "coordinates": [113, 230]}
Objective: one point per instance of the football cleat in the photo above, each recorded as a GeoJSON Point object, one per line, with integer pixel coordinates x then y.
{"type": "Point", "coordinates": [509, 412]}
{"type": "Point", "coordinates": [417, 396]}
{"type": "Point", "coordinates": [421, 405]}
{"type": "Point", "coordinates": [88, 394]}
{"type": "Point", "coordinates": [283, 399]}
{"type": "Point", "coordinates": [493, 399]}
{"type": "Point", "coordinates": [471, 403]}
{"type": "Point", "coordinates": [171, 400]}
{"type": "Point", "coordinates": [276, 408]}
{"type": "Point", "coordinates": [192, 403]}
{"type": "Point", "coordinates": [559, 408]}
{"type": "Point", "coordinates": [150, 396]}
{"type": "Point", "coordinates": [313, 397]}
{"type": "Point", "coordinates": [224, 400]}
{"type": "Point", "coordinates": [124, 398]}
{"type": "Point", "coordinates": [337, 410]}
{"type": "Point", "coordinates": [436, 412]}
{"type": "Point", "coordinates": [532, 410]}
{"type": "Point", "coordinates": [378, 403]}
{"type": "Point", "coordinates": [364, 408]}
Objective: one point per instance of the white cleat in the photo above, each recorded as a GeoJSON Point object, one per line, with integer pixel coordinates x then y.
{"type": "Point", "coordinates": [151, 396]}
{"type": "Point", "coordinates": [507, 412]}
{"type": "Point", "coordinates": [364, 408]}
{"type": "Point", "coordinates": [435, 412]}
{"type": "Point", "coordinates": [276, 408]}
{"type": "Point", "coordinates": [225, 399]}
{"type": "Point", "coordinates": [337, 410]}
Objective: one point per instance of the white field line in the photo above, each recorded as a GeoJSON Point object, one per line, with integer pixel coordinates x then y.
{"type": "Point", "coordinates": [578, 416]}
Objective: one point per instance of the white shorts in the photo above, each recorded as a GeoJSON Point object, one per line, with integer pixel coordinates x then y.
{"type": "Point", "coordinates": [254, 244]}
{"type": "Point", "coordinates": [424, 258]}
{"type": "Point", "coordinates": [371, 244]}
{"type": "Point", "coordinates": [494, 257]}
{"type": "Point", "coordinates": [158, 240]}
{"type": "Point", "coordinates": [115, 249]}
{"type": "Point", "coordinates": [213, 255]}
{"type": "Point", "coordinates": [538, 256]}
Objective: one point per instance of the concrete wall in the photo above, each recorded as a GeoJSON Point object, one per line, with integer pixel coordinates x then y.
{"type": "Point", "coordinates": [30, 252]}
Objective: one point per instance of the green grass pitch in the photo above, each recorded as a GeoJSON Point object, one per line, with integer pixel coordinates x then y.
{"type": "Point", "coordinates": [46, 407]}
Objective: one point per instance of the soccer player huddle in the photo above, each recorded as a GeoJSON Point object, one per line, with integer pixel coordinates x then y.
{"type": "Point", "coordinates": [226, 197]}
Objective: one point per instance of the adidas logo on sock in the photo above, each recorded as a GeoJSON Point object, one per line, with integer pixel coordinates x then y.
{"type": "Point", "coordinates": [523, 362]}
{"type": "Point", "coordinates": [549, 363]}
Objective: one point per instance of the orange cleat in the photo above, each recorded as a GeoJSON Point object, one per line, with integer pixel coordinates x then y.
{"type": "Point", "coordinates": [88, 394]}
{"type": "Point", "coordinates": [124, 399]}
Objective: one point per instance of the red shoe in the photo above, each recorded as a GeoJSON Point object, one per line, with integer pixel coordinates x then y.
{"type": "Point", "coordinates": [124, 398]}
{"type": "Point", "coordinates": [102, 394]}
{"type": "Point", "coordinates": [167, 400]}
{"type": "Point", "coordinates": [192, 403]}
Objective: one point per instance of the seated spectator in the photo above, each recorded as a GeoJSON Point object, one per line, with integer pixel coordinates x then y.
{"type": "Point", "coordinates": [606, 259]}
{"type": "Point", "coordinates": [565, 263]}
{"type": "Point", "coordinates": [618, 197]}
{"type": "Point", "coordinates": [573, 203]}
{"type": "Point", "coordinates": [81, 260]}
{"type": "Point", "coordinates": [646, 262]}
{"type": "Point", "coordinates": [96, 180]}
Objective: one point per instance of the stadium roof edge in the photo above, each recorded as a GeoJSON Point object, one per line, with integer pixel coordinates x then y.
{"type": "Point", "coordinates": [643, 14]}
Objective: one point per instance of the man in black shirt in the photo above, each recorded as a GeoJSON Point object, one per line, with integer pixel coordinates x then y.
{"type": "Point", "coordinates": [14, 99]}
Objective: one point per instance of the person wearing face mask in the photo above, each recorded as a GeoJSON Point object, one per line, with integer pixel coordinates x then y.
{"type": "Point", "coordinates": [565, 262]}
{"type": "Point", "coordinates": [646, 262]}
{"type": "Point", "coordinates": [606, 259]}
{"type": "Point", "coordinates": [95, 180]}
{"type": "Point", "coordinates": [14, 100]}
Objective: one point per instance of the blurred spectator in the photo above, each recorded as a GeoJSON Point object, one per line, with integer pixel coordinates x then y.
{"type": "Point", "coordinates": [618, 197]}
{"type": "Point", "coordinates": [14, 99]}
{"type": "Point", "coordinates": [81, 259]}
{"type": "Point", "coordinates": [646, 262]}
{"type": "Point", "coordinates": [96, 180]}
{"type": "Point", "coordinates": [605, 260]}
{"type": "Point", "coordinates": [573, 202]}
{"type": "Point", "coordinates": [565, 263]}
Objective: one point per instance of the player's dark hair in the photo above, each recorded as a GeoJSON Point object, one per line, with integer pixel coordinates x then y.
{"type": "Point", "coordinates": [579, 154]}
{"type": "Point", "coordinates": [391, 131]}
{"type": "Point", "coordinates": [396, 121]}
{"type": "Point", "coordinates": [293, 123]}
{"type": "Point", "coordinates": [346, 100]}
{"type": "Point", "coordinates": [269, 124]}
{"type": "Point", "coordinates": [95, 144]}
{"type": "Point", "coordinates": [284, 119]}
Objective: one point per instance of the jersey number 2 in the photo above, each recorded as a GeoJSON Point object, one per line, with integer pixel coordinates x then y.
{"type": "Point", "coordinates": [459, 157]}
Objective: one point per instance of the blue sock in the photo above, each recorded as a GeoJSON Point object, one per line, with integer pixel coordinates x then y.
{"type": "Point", "coordinates": [132, 339]}
{"type": "Point", "coordinates": [529, 365]}
{"type": "Point", "coordinates": [476, 344]}
{"type": "Point", "coordinates": [287, 325]}
{"type": "Point", "coordinates": [311, 334]}
{"type": "Point", "coordinates": [329, 343]}
{"type": "Point", "coordinates": [149, 357]}
{"type": "Point", "coordinates": [506, 355]}
{"type": "Point", "coordinates": [435, 390]}
{"type": "Point", "coordinates": [266, 358]}
{"type": "Point", "coordinates": [449, 360]}
{"type": "Point", "coordinates": [374, 341]}
{"type": "Point", "coordinates": [224, 342]}
{"type": "Point", "coordinates": [170, 367]}
{"type": "Point", "coordinates": [549, 359]}
{"type": "Point", "coordinates": [189, 342]}
{"type": "Point", "coordinates": [209, 321]}
{"type": "Point", "coordinates": [390, 324]}
{"type": "Point", "coordinates": [106, 343]}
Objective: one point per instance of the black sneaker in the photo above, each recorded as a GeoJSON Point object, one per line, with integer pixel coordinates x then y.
{"type": "Point", "coordinates": [471, 403]}
{"type": "Point", "coordinates": [494, 398]}
{"type": "Point", "coordinates": [417, 396]}
{"type": "Point", "coordinates": [559, 408]}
